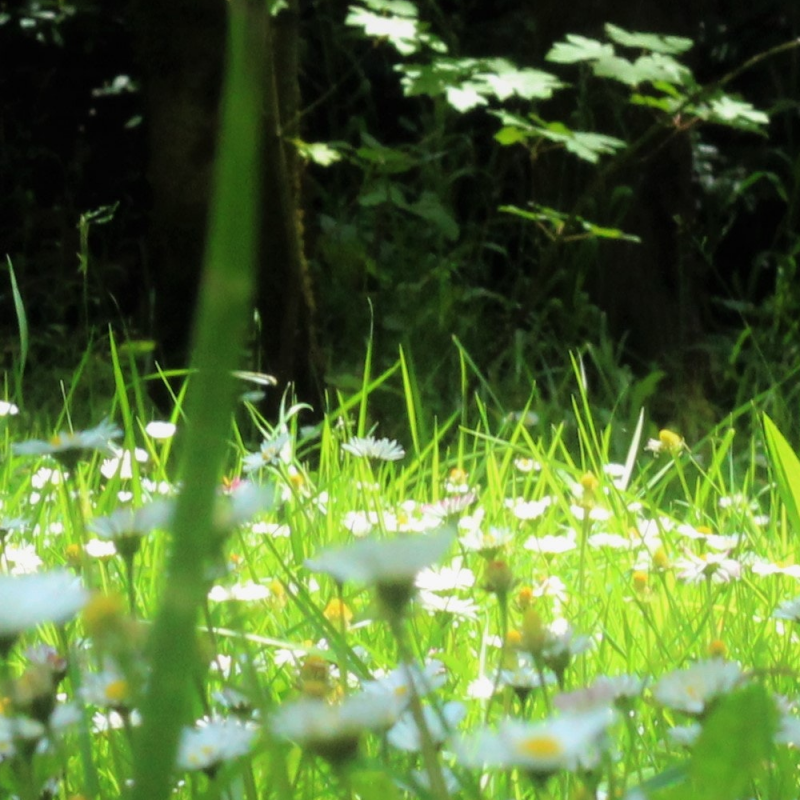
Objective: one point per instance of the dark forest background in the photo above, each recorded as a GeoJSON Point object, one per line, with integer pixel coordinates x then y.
{"type": "Point", "coordinates": [394, 210]}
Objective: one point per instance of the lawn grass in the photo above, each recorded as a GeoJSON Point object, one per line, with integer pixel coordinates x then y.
{"type": "Point", "coordinates": [563, 567]}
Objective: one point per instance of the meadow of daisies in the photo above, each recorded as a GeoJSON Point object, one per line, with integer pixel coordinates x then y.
{"type": "Point", "coordinates": [502, 611]}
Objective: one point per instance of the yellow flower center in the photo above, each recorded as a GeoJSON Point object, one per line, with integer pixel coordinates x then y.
{"type": "Point", "coordinates": [337, 611]}
{"type": "Point", "coordinates": [117, 691]}
{"type": "Point", "coordinates": [640, 580]}
{"type": "Point", "coordinates": [717, 649]}
{"type": "Point", "coordinates": [541, 746]}
{"type": "Point", "coordinates": [458, 475]}
{"type": "Point", "coordinates": [671, 441]}
{"type": "Point", "coordinates": [103, 613]}
{"type": "Point", "coordinates": [660, 559]}
{"type": "Point", "coordinates": [589, 482]}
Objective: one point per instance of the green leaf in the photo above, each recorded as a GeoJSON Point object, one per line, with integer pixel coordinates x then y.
{"type": "Point", "coordinates": [578, 48]}
{"type": "Point", "coordinates": [584, 144]}
{"type": "Point", "coordinates": [383, 193]}
{"type": "Point", "coordinates": [22, 321]}
{"type": "Point", "coordinates": [429, 207]}
{"type": "Point", "coordinates": [730, 111]}
{"type": "Point", "coordinates": [465, 97]}
{"type": "Point", "coordinates": [646, 69]}
{"type": "Point", "coordinates": [786, 471]}
{"type": "Point", "coordinates": [666, 104]}
{"type": "Point", "coordinates": [468, 83]}
{"type": "Point", "coordinates": [504, 80]}
{"type": "Point", "coordinates": [511, 135]}
{"type": "Point", "coordinates": [735, 742]}
{"type": "Point", "coordinates": [320, 153]}
{"type": "Point", "coordinates": [556, 220]}
{"type": "Point", "coordinates": [648, 41]}
{"type": "Point", "coordinates": [401, 32]}
{"type": "Point", "coordinates": [395, 21]}
{"type": "Point", "coordinates": [374, 785]}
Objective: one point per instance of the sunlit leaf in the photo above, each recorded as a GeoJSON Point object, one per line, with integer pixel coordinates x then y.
{"type": "Point", "coordinates": [578, 48]}
{"type": "Point", "coordinates": [648, 41]}
{"type": "Point", "coordinates": [401, 32]}
{"type": "Point", "coordinates": [646, 69]}
{"type": "Point", "coordinates": [729, 110]}
{"type": "Point", "coordinates": [505, 80]}
{"type": "Point", "coordinates": [318, 152]}
{"type": "Point", "coordinates": [557, 219]}
{"type": "Point", "coordinates": [465, 97]}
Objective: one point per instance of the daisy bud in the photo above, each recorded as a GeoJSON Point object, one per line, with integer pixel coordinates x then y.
{"type": "Point", "coordinates": [524, 598]}
{"type": "Point", "coordinates": [717, 649]}
{"type": "Point", "coordinates": [534, 633]}
{"type": "Point", "coordinates": [314, 679]}
{"type": "Point", "coordinates": [338, 613]}
{"type": "Point", "coordinates": [498, 577]}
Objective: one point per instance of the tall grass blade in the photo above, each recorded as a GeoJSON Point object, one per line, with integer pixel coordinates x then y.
{"type": "Point", "coordinates": [218, 340]}
{"type": "Point", "coordinates": [22, 325]}
{"type": "Point", "coordinates": [786, 469]}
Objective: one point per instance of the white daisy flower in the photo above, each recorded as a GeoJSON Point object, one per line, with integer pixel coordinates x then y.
{"type": "Point", "coordinates": [69, 448]}
{"type": "Point", "coordinates": [44, 476]}
{"type": "Point", "coordinates": [613, 541]}
{"type": "Point", "coordinates": [716, 567]}
{"type": "Point", "coordinates": [524, 677]}
{"type": "Point", "coordinates": [126, 527]}
{"type": "Point", "coordinates": [396, 685]}
{"type": "Point", "coordinates": [212, 742]}
{"type": "Point", "coordinates": [448, 604]}
{"type": "Point", "coordinates": [18, 730]}
{"type": "Point", "coordinates": [552, 544]}
{"type": "Point", "coordinates": [790, 610]}
{"type": "Point", "coordinates": [487, 543]}
{"type": "Point", "coordinates": [539, 748]}
{"type": "Point", "coordinates": [685, 735]}
{"type": "Point", "coordinates": [242, 592]}
{"type": "Point", "coordinates": [596, 513]}
{"type": "Point", "coordinates": [446, 579]}
{"type": "Point", "coordinates": [22, 559]}
{"type": "Point", "coordinates": [360, 523]}
{"type": "Point", "coordinates": [27, 601]}
{"type": "Point", "coordinates": [8, 409]}
{"type": "Point", "coordinates": [122, 464]}
{"type": "Point", "coordinates": [110, 720]}
{"type": "Point", "coordinates": [100, 548]}
{"type": "Point", "coordinates": [107, 689]}
{"type": "Point", "coordinates": [383, 561]}
{"type": "Point", "coordinates": [370, 447]}
{"type": "Point", "coordinates": [333, 731]}
{"type": "Point", "coordinates": [691, 690]}
{"type": "Point", "coordinates": [277, 449]}
{"type": "Point", "coordinates": [160, 430]}
{"type": "Point", "coordinates": [405, 735]}
{"type": "Point", "coordinates": [527, 509]}
{"type": "Point", "coordinates": [788, 731]}
{"type": "Point", "coordinates": [759, 567]}
{"type": "Point", "coordinates": [605, 691]}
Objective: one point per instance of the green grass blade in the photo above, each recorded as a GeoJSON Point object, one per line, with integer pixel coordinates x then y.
{"type": "Point", "coordinates": [734, 745]}
{"type": "Point", "coordinates": [786, 469]}
{"type": "Point", "coordinates": [218, 339]}
{"type": "Point", "coordinates": [22, 325]}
